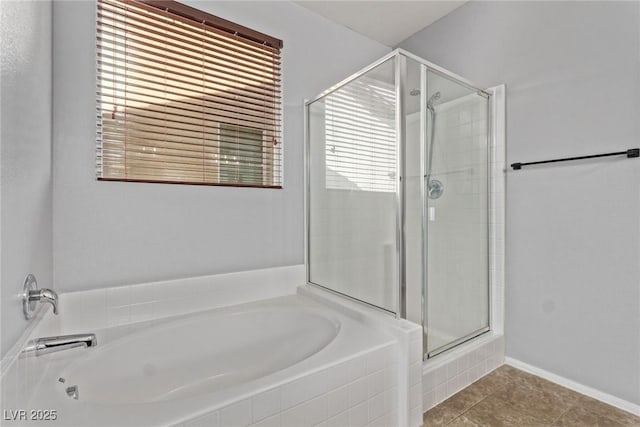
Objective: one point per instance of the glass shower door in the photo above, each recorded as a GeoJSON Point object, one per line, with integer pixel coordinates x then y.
{"type": "Point", "coordinates": [352, 189]}
{"type": "Point", "coordinates": [456, 164]}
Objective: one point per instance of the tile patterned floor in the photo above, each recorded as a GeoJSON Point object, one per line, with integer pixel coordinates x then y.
{"type": "Point", "coordinates": [510, 397]}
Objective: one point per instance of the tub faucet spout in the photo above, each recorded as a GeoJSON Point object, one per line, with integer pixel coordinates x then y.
{"type": "Point", "coordinates": [47, 345]}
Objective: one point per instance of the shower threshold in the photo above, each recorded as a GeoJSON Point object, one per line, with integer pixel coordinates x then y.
{"type": "Point", "coordinates": [452, 344]}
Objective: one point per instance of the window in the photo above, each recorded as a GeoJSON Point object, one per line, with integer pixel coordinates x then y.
{"type": "Point", "coordinates": [185, 97]}
{"type": "Point", "coordinates": [360, 136]}
{"type": "Point", "coordinates": [241, 153]}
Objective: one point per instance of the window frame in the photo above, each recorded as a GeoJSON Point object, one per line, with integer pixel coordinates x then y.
{"type": "Point", "coordinates": [272, 169]}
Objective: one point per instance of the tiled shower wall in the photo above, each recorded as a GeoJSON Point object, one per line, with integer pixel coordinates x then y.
{"type": "Point", "coordinates": [461, 367]}
{"type": "Point", "coordinates": [457, 222]}
{"type": "Point", "coordinates": [454, 370]}
{"type": "Point", "coordinates": [497, 207]}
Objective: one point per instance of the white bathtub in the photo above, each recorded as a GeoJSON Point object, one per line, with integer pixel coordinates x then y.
{"type": "Point", "coordinates": [200, 354]}
{"type": "Point", "coordinates": [228, 365]}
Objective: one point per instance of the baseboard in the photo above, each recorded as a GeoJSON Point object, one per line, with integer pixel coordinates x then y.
{"type": "Point", "coordinates": [580, 388]}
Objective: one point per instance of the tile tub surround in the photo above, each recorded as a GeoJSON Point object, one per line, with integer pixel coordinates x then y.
{"type": "Point", "coordinates": [377, 378]}
{"type": "Point", "coordinates": [409, 338]}
{"type": "Point", "coordinates": [127, 305]}
{"type": "Point", "coordinates": [511, 397]}
{"type": "Point", "coordinates": [361, 391]}
{"type": "Point", "coordinates": [366, 361]}
{"type": "Point", "coordinates": [123, 305]}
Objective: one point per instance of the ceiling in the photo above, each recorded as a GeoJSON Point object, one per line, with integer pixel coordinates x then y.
{"type": "Point", "coordinates": [388, 22]}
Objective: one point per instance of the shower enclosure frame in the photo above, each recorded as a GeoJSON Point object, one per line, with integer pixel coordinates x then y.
{"type": "Point", "coordinates": [400, 56]}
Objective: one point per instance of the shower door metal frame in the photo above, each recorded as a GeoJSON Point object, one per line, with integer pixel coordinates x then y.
{"type": "Point", "coordinates": [400, 305]}
{"type": "Point", "coordinates": [423, 134]}
{"type": "Point", "coordinates": [399, 56]}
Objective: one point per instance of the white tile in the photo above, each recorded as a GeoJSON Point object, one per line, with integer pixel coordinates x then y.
{"type": "Point", "coordinates": [375, 383]}
{"type": "Point", "coordinates": [168, 290]}
{"type": "Point", "coordinates": [485, 367]}
{"type": "Point", "coordinates": [307, 414]}
{"type": "Point", "coordinates": [118, 296]}
{"type": "Point", "coordinates": [415, 351]}
{"type": "Point", "coordinates": [440, 375]}
{"type": "Point", "coordinates": [463, 364]}
{"type": "Point", "coordinates": [467, 377]}
{"type": "Point", "coordinates": [429, 400]}
{"type": "Point", "coordinates": [304, 389]}
{"type": "Point", "coordinates": [390, 374]}
{"type": "Point", "coordinates": [338, 400]}
{"type": "Point", "coordinates": [474, 373]}
{"type": "Point", "coordinates": [274, 421]}
{"type": "Point", "coordinates": [375, 360]}
{"type": "Point", "coordinates": [357, 368]}
{"type": "Point", "coordinates": [391, 354]}
{"type": "Point", "coordinates": [359, 415]}
{"type": "Point", "coordinates": [340, 420]}
{"type": "Point", "coordinates": [469, 361]}
{"type": "Point", "coordinates": [465, 116]}
{"type": "Point", "coordinates": [452, 369]}
{"type": "Point", "coordinates": [141, 312]}
{"type": "Point", "coordinates": [384, 421]}
{"type": "Point", "coordinates": [118, 315]}
{"type": "Point", "coordinates": [143, 293]}
{"type": "Point", "coordinates": [428, 383]}
{"type": "Point", "coordinates": [441, 392]}
{"type": "Point", "coordinates": [376, 407]}
{"type": "Point", "coordinates": [172, 307]}
{"type": "Point", "coordinates": [236, 415]}
{"type": "Point", "coordinates": [415, 372]}
{"type": "Point", "coordinates": [500, 349]}
{"type": "Point", "coordinates": [209, 420]}
{"type": "Point", "coordinates": [338, 375]}
{"type": "Point", "coordinates": [415, 333]}
{"type": "Point", "coordinates": [493, 362]}
{"type": "Point", "coordinates": [357, 391]}
{"type": "Point", "coordinates": [415, 396]}
{"type": "Point", "coordinates": [390, 400]}
{"type": "Point", "coordinates": [462, 380]}
{"type": "Point", "coordinates": [94, 307]}
{"type": "Point", "coordinates": [266, 404]}
{"type": "Point", "coordinates": [452, 386]}
{"type": "Point", "coordinates": [415, 417]}
{"type": "Point", "coordinates": [477, 357]}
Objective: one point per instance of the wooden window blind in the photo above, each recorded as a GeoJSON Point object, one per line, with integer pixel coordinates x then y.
{"type": "Point", "coordinates": [185, 97]}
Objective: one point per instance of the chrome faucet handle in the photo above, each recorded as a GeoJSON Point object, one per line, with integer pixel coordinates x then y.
{"type": "Point", "coordinates": [45, 295]}
{"type": "Point", "coordinates": [32, 295]}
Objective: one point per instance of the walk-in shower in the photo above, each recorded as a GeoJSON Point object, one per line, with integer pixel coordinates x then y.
{"type": "Point", "coordinates": [398, 196]}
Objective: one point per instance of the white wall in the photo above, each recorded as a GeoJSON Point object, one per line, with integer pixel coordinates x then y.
{"type": "Point", "coordinates": [572, 72]}
{"type": "Point", "coordinates": [109, 233]}
{"type": "Point", "coordinates": [25, 157]}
